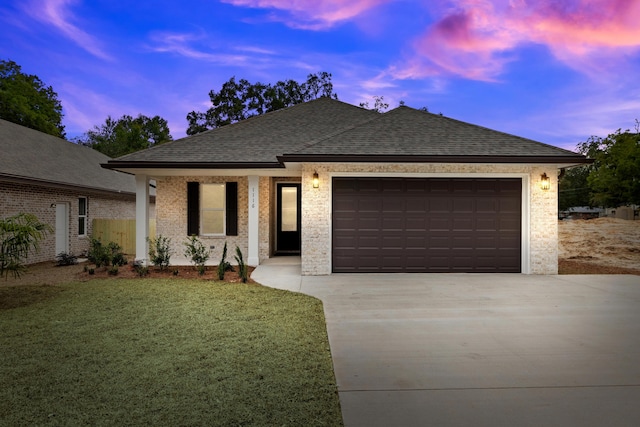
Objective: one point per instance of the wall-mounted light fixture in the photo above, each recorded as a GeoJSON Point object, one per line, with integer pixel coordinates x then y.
{"type": "Point", "coordinates": [316, 180]}
{"type": "Point", "coordinates": [545, 182]}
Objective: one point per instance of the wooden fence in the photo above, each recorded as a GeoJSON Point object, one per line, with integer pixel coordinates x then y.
{"type": "Point", "coordinates": [120, 231]}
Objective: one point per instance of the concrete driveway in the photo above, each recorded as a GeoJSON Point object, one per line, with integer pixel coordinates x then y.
{"type": "Point", "coordinates": [480, 349]}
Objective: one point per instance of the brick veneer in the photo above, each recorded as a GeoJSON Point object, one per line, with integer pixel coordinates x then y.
{"type": "Point", "coordinates": [316, 208]}
{"type": "Point", "coordinates": [40, 201]}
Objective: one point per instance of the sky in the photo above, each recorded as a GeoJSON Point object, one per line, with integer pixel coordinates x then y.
{"type": "Point", "coordinates": [556, 71]}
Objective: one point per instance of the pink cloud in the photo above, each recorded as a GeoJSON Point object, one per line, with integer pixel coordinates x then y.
{"type": "Point", "coordinates": [477, 38]}
{"type": "Point", "coordinates": [312, 14]}
{"type": "Point", "coordinates": [57, 13]}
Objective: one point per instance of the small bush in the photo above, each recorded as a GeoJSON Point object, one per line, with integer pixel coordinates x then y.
{"type": "Point", "coordinates": [224, 265]}
{"type": "Point", "coordinates": [98, 253]}
{"type": "Point", "coordinates": [141, 270]}
{"type": "Point", "coordinates": [113, 271]}
{"type": "Point", "coordinates": [243, 272]}
{"type": "Point", "coordinates": [197, 253]}
{"type": "Point", "coordinates": [176, 272]}
{"type": "Point", "coordinates": [92, 271]}
{"type": "Point", "coordinates": [119, 259]}
{"type": "Point", "coordinates": [64, 258]}
{"type": "Point", "coordinates": [160, 252]}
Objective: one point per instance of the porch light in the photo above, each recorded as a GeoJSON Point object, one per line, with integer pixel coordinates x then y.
{"type": "Point", "coordinates": [545, 182]}
{"type": "Point", "coordinates": [316, 180]}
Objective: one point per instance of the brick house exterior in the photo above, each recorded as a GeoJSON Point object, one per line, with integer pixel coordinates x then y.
{"type": "Point", "coordinates": [420, 192]}
{"type": "Point", "coordinates": [48, 177]}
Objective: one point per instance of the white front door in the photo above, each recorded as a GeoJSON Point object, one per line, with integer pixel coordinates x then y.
{"type": "Point", "coordinates": [62, 228]}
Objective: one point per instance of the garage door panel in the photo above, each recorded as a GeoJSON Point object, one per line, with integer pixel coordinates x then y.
{"type": "Point", "coordinates": [426, 225]}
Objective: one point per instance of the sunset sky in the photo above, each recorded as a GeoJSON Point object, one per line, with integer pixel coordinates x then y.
{"type": "Point", "coordinates": [556, 71]}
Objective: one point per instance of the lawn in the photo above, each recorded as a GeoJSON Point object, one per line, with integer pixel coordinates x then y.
{"type": "Point", "coordinates": [164, 352]}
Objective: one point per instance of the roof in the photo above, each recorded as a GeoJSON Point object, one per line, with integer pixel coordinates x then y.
{"type": "Point", "coordinates": [259, 139]}
{"type": "Point", "coordinates": [329, 130]}
{"type": "Point", "coordinates": [34, 156]}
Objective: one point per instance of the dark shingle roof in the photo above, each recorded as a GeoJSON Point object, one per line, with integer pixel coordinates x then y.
{"type": "Point", "coordinates": [28, 154]}
{"type": "Point", "coordinates": [260, 138]}
{"type": "Point", "coordinates": [330, 130]}
{"type": "Point", "coordinates": [405, 131]}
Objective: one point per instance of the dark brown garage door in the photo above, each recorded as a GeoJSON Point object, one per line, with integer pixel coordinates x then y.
{"type": "Point", "coordinates": [426, 225]}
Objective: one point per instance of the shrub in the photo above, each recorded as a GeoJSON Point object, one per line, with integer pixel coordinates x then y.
{"type": "Point", "coordinates": [113, 271]}
{"type": "Point", "coordinates": [19, 235]}
{"type": "Point", "coordinates": [92, 271]}
{"type": "Point", "coordinates": [242, 267]}
{"type": "Point", "coordinates": [98, 253]}
{"type": "Point", "coordinates": [141, 270]}
{"type": "Point", "coordinates": [64, 258]}
{"type": "Point", "coordinates": [224, 265]}
{"type": "Point", "coordinates": [116, 257]}
{"type": "Point", "coordinates": [160, 252]}
{"type": "Point", "coordinates": [197, 253]}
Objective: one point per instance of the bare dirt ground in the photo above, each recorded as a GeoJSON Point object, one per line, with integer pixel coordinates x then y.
{"type": "Point", "coordinates": [599, 246]}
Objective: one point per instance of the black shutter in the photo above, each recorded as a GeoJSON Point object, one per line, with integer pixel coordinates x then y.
{"type": "Point", "coordinates": [232, 208]}
{"type": "Point", "coordinates": [193, 208]}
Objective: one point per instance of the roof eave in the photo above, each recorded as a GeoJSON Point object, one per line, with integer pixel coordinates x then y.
{"type": "Point", "coordinates": [118, 165]}
{"type": "Point", "coordinates": [380, 158]}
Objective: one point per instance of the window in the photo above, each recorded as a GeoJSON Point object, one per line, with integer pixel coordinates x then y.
{"type": "Point", "coordinates": [212, 209]}
{"type": "Point", "coordinates": [82, 216]}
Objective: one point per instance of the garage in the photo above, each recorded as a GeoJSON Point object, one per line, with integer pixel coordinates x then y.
{"type": "Point", "coordinates": [422, 225]}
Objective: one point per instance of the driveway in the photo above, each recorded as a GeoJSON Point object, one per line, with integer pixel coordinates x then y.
{"type": "Point", "coordinates": [479, 349]}
{"type": "Point", "coordinates": [483, 350]}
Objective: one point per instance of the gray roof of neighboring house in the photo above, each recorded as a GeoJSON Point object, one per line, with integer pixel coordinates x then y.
{"type": "Point", "coordinates": [330, 130]}
{"type": "Point", "coordinates": [33, 156]}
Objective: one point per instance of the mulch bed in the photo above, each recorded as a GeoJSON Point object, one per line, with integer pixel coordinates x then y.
{"type": "Point", "coordinates": [180, 272]}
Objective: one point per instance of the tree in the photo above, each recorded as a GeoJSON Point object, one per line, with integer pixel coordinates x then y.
{"type": "Point", "coordinates": [19, 235]}
{"type": "Point", "coordinates": [126, 135]}
{"type": "Point", "coordinates": [379, 105]}
{"type": "Point", "coordinates": [27, 101]}
{"type": "Point", "coordinates": [573, 188]}
{"type": "Point", "coordinates": [614, 179]}
{"type": "Point", "coordinates": [239, 100]}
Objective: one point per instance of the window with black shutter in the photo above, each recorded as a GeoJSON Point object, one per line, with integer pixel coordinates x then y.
{"type": "Point", "coordinates": [212, 209]}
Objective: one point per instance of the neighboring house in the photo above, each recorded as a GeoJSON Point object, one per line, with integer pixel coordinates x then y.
{"type": "Point", "coordinates": [581, 212]}
{"type": "Point", "coordinates": [62, 184]}
{"type": "Point", "coordinates": [352, 190]}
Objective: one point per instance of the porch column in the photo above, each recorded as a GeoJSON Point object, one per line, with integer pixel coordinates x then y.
{"type": "Point", "coordinates": [142, 218]}
{"type": "Point", "coordinates": [254, 217]}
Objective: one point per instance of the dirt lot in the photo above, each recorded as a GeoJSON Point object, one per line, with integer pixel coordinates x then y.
{"type": "Point", "coordinates": [595, 246]}
{"type": "Point", "coordinates": [602, 245]}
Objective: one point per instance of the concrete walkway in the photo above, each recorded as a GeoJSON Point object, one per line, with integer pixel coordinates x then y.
{"type": "Point", "coordinates": [481, 350]}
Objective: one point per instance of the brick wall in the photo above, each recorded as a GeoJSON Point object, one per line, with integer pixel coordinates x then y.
{"type": "Point", "coordinates": [41, 202]}
{"type": "Point", "coordinates": [171, 217]}
{"type": "Point", "coordinates": [316, 211]}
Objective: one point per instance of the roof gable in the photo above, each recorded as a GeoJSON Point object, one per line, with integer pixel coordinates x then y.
{"type": "Point", "coordinates": [28, 154]}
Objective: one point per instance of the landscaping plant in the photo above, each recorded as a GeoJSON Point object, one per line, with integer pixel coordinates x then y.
{"type": "Point", "coordinates": [98, 253]}
{"type": "Point", "coordinates": [242, 267]}
{"type": "Point", "coordinates": [19, 235]}
{"type": "Point", "coordinates": [224, 265]}
{"type": "Point", "coordinates": [64, 258]}
{"type": "Point", "coordinates": [197, 253]}
{"type": "Point", "coordinates": [160, 252]}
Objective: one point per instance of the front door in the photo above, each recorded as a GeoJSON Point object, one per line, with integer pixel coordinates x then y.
{"type": "Point", "coordinates": [62, 228]}
{"type": "Point", "coordinates": [288, 219]}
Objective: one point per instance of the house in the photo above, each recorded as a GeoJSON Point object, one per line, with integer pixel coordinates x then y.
{"type": "Point", "coordinates": [353, 190]}
{"type": "Point", "coordinates": [61, 183]}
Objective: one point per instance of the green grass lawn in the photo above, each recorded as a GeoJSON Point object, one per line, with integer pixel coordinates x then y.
{"type": "Point", "coordinates": [164, 352]}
